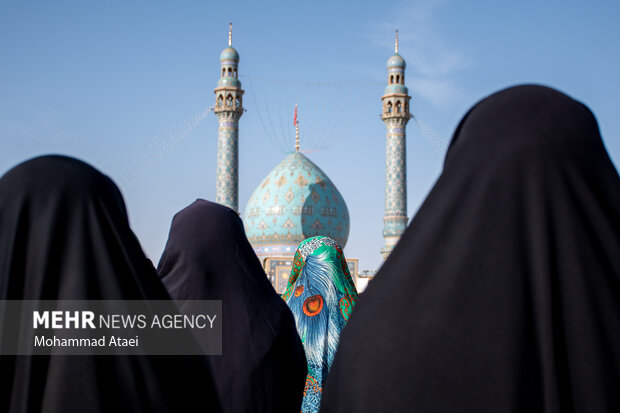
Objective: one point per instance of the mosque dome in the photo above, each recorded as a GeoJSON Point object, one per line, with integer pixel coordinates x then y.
{"type": "Point", "coordinates": [396, 61]}
{"type": "Point", "coordinates": [229, 54]}
{"type": "Point", "coordinates": [294, 202]}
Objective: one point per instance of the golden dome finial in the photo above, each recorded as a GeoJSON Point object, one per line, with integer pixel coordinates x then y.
{"type": "Point", "coordinates": [396, 43]}
{"type": "Point", "coordinates": [296, 130]}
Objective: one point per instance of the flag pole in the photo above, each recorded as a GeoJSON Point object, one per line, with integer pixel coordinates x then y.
{"type": "Point", "coordinates": [296, 130]}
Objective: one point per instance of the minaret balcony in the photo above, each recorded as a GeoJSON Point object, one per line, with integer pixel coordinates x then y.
{"type": "Point", "coordinates": [400, 117]}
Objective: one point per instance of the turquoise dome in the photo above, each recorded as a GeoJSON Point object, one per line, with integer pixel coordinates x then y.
{"type": "Point", "coordinates": [395, 88]}
{"type": "Point", "coordinates": [396, 61]}
{"type": "Point", "coordinates": [229, 54]}
{"type": "Point", "coordinates": [229, 81]}
{"type": "Point", "coordinates": [294, 202]}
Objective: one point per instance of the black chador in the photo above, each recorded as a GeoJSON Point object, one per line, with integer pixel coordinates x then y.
{"type": "Point", "coordinates": [503, 295]}
{"type": "Point", "coordinates": [64, 235]}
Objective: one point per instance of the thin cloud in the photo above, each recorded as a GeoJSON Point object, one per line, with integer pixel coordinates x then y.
{"type": "Point", "coordinates": [42, 127]}
{"type": "Point", "coordinates": [439, 92]}
{"type": "Point", "coordinates": [430, 59]}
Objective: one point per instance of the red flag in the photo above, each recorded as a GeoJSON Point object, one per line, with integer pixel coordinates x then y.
{"type": "Point", "coordinates": [295, 118]}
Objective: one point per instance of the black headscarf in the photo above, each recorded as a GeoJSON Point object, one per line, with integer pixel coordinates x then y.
{"type": "Point", "coordinates": [503, 295]}
{"type": "Point", "coordinates": [64, 235]}
{"type": "Point", "coordinates": [208, 257]}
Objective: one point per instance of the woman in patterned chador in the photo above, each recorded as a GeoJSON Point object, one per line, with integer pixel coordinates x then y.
{"type": "Point", "coordinates": [321, 295]}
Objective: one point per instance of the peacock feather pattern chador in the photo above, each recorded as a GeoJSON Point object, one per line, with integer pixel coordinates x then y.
{"type": "Point", "coordinates": [321, 295]}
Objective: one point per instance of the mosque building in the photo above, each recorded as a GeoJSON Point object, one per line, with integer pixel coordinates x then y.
{"type": "Point", "coordinates": [297, 200]}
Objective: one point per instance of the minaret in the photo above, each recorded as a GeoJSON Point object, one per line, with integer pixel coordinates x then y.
{"type": "Point", "coordinates": [395, 116]}
{"type": "Point", "coordinates": [228, 108]}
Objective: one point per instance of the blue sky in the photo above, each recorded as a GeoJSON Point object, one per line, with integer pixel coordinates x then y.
{"type": "Point", "coordinates": [119, 83]}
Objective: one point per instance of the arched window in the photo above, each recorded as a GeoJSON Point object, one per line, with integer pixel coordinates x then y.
{"type": "Point", "coordinates": [235, 73]}
{"type": "Point", "coordinates": [389, 108]}
{"type": "Point", "coordinates": [223, 72]}
{"type": "Point", "coordinates": [229, 100]}
{"type": "Point", "coordinates": [238, 101]}
{"type": "Point", "coordinates": [220, 100]}
{"type": "Point", "coordinates": [398, 106]}
{"type": "Point", "coordinates": [229, 72]}
{"type": "Point", "coordinates": [391, 79]}
{"type": "Point", "coordinates": [397, 78]}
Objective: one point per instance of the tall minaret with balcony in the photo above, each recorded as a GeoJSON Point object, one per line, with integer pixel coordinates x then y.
{"type": "Point", "coordinates": [395, 116]}
{"type": "Point", "coordinates": [228, 108]}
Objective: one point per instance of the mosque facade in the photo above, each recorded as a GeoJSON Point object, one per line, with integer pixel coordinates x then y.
{"type": "Point", "coordinates": [297, 200]}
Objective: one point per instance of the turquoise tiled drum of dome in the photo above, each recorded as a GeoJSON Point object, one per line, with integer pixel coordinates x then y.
{"type": "Point", "coordinates": [294, 202]}
{"type": "Point", "coordinates": [396, 89]}
{"type": "Point", "coordinates": [229, 81]}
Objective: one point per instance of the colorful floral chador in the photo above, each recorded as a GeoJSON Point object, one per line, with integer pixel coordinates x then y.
{"type": "Point", "coordinates": [321, 295]}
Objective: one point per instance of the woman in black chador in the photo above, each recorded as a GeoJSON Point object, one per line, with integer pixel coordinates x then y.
{"type": "Point", "coordinates": [503, 295]}
{"type": "Point", "coordinates": [64, 235]}
{"type": "Point", "coordinates": [208, 257]}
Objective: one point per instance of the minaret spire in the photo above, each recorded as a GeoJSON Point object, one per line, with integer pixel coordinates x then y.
{"type": "Point", "coordinates": [230, 34]}
{"type": "Point", "coordinates": [395, 42]}
{"type": "Point", "coordinates": [296, 130]}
